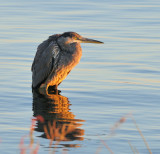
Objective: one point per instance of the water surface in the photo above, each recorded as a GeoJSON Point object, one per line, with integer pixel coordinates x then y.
{"type": "Point", "coordinates": [113, 80]}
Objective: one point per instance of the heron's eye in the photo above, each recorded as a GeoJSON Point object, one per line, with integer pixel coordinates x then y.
{"type": "Point", "coordinates": [76, 38]}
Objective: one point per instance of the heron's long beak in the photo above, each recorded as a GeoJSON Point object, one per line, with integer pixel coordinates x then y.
{"type": "Point", "coordinates": [87, 40]}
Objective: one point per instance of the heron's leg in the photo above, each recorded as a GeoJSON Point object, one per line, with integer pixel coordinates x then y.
{"type": "Point", "coordinates": [43, 89]}
{"type": "Point", "coordinates": [54, 89]}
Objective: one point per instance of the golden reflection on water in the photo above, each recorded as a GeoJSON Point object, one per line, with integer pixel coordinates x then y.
{"type": "Point", "coordinates": [59, 122]}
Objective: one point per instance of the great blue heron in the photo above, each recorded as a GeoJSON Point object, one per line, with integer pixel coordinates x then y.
{"type": "Point", "coordinates": [55, 58]}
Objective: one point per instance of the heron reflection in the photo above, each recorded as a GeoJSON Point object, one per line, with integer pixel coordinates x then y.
{"type": "Point", "coordinates": [59, 123]}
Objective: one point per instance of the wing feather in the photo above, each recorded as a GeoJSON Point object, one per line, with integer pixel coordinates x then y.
{"type": "Point", "coordinates": [44, 60]}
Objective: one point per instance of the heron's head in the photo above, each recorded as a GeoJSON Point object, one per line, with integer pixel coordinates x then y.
{"type": "Point", "coordinates": [72, 37]}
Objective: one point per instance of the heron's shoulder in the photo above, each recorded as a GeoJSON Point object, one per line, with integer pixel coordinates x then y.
{"type": "Point", "coordinates": [41, 47]}
{"type": "Point", "coordinates": [53, 37]}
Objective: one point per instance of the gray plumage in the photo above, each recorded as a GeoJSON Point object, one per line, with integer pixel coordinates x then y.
{"type": "Point", "coordinates": [56, 57]}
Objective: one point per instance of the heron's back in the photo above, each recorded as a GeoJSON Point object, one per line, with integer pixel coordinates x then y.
{"type": "Point", "coordinates": [43, 61]}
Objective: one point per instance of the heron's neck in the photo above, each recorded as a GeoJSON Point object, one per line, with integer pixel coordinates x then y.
{"type": "Point", "coordinates": [70, 48]}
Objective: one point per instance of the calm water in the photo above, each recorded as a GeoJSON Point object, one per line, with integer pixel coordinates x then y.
{"type": "Point", "coordinates": [113, 80]}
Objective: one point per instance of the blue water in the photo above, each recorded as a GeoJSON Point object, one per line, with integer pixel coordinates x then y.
{"type": "Point", "coordinates": [120, 78]}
